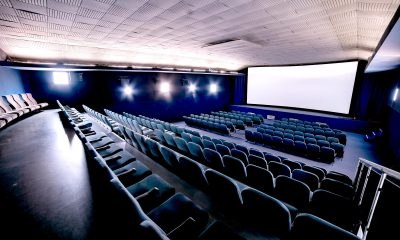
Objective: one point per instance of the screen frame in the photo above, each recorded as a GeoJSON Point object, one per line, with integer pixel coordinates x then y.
{"type": "Point", "coordinates": [358, 77]}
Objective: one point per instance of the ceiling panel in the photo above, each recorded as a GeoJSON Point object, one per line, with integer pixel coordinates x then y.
{"type": "Point", "coordinates": [176, 32]}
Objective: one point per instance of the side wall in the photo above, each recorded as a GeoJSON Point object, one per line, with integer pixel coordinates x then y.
{"type": "Point", "coordinates": [103, 89]}
{"type": "Point", "coordinates": [10, 81]}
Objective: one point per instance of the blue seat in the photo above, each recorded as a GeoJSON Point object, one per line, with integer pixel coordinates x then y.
{"type": "Point", "coordinates": [151, 191]}
{"type": "Point", "coordinates": [181, 144]}
{"type": "Point", "coordinates": [339, 148]}
{"type": "Point", "coordinates": [176, 211]}
{"type": "Point", "coordinates": [154, 148]}
{"type": "Point", "coordinates": [258, 137]}
{"type": "Point", "coordinates": [267, 139]}
{"type": "Point", "coordinates": [225, 190]}
{"type": "Point", "coordinates": [292, 164]}
{"type": "Point", "coordinates": [310, 140]}
{"type": "Point", "coordinates": [299, 138]}
{"type": "Point", "coordinates": [169, 157]}
{"type": "Point", "coordinates": [327, 155]}
{"type": "Point", "coordinates": [196, 152]}
{"type": "Point", "coordinates": [198, 141]}
{"type": "Point", "coordinates": [288, 144]}
{"type": "Point", "coordinates": [258, 161]}
{"type": "Point", "coordinates": [319, 137]}
{"type": "Point", "coordinates": [186, 137]}
{"type": "Point", "coordinates": [256, 152]}
{"type": "Point", "coordinates": [192, 171]}
{"type": "Point", "coordinates": [299, 133]}
{"type": "Point", "coordinates": [308, 226]}
{"type": "Point", "coordinates": [278, 169]}
{"type": "Point", "coordinates": [216, 141]}
{"type": "Point", "coordinates": [271, 158]}
{"type": "Point", "coordinates": [306, 177]}
{"type": "Point", "coordinates": [288, 135]}
{"type": "Point", "coordinates": [249, 135]}
{"type": "Point", "coordinates": [240, 155]}
{"type": "Point", "coordinates": [292, 191]}
{"type": "Point", "coordinates": [338, 187]}
{"type": "Point", "coordinates": [300, 147]}
{"type": "Point", "coordinates": [276, 219]}
{"type": "Point", "coordinates": [243, 149]}
{"type": "Point", "coordinates": [260, 179]}
{"type": "Point", "coordinates": [223, 150]}
{"type": "Point", "coordinates": [277, 141]}
{"type": "Point", "coordinates": [229, 145]}
{"type": "Point", "coordinates": [170, 140]}
{"type": "Point", "coordinates": [209, 144]}
{"type": "Point", "coordinates": [313, 150]}
{"type": "Point", "coordinates": [339, 177]}
{"type": "Point", "coordinates": [213, 159]}
{"type": "Point", "coordinates": [234, 168]}
{"type": "Point", "coordinates": [323, 143]}
{"type": "Point", "coordinates": [310, 135]}
{"type": "Point", "coordinates": [317, 171]}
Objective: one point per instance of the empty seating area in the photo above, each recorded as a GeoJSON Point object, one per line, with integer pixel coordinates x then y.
{"type": "Point", "coordinates": [249, 119]}
{"type": "Point", "coordinates": [312, 140]}
{"type": "Point", "coordinates": [248, 178]}
{"type": "Point", "coordinates": [14, 106]}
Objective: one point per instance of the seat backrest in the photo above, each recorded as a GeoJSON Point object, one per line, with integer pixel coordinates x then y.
{"type": "Point", "coordinates": [240, 155]}
{"type": "Point", "coordinates": [223, 150]}
{"type": "Point", "coordinates": [181, 144]}
{"type": "Point", "coordinates": [213, 159]}
{"type": "Point", "coordinates": [316, 171]}
{"type": "Point", "coordinates": [209, 144]}
{"type": "Point", "coordinates": [234, 167]}
{"type": "Point", "coordinates": [292, 191]}
{"type": "Point", "coordinates": [169, 139]}
{"type": "Point", "coordinates": [225, 189]}
{"type": "Point", "coordinates": [275, 215]}
{"type": "Point", "coordinates": [338, 187]}
{"type": "Point", "coordinates": [18, 99]}
{"type": "Point", "coordinates": [196, 151]}
{"type": "Point", "coordinates": [230, 145]}
{"type": "Point", "coordinates": [197, 140]}
{"type": "Point", "coordinates": [277, 169]}
{"type": "Point", "coordinates": [258, 161]}
{"type": "Point", "coordinates": [308, 226]}
{"type": "Point", "coordinates": [26, 99]}
{"type": "Point", "coordinates": [192, 171]}
{"type": "Point", "coordinates": [216, 141]}
{"type": "Point", "coordinates": [12, 102]}
{"type": "Point", "coordinates": [271, 158]}
{"type": "Point", "coordinates": [339, 177]}
{"type": "Point", "coordinates": [292, 165]}
{"type": "Point", "coordinates": [260, 178]}
{"type": "Point", "coordinates": [243, 149]}
{"type": "Point", "coordinates": [154, 148]}
{"type": "Point", "coordinates": [256, 152]}
{"type": "Point", "coordinates": [169, 157]}
{"type": "Point", "coordinates": [308, 178]}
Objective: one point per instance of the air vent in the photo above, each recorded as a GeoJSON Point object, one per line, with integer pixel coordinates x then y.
{"type": "Point", "coordinates": [219, 42]}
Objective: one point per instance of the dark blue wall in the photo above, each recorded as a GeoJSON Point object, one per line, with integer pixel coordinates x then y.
{"type": "Point", "coordinates": [102, 89]}
{"type": "Point", "coordinates": [10, 81]}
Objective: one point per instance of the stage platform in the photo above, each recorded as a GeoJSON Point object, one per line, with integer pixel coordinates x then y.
{"type": "Point", "coordinates": [334, 121]}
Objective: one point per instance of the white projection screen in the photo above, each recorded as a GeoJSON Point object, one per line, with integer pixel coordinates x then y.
{"type": "Point", "coordinates": [323, 87]}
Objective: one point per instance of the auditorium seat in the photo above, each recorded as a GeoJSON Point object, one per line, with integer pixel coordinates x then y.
{"type": "Point", "coordinates": [192, 171]}
{"type": "Point", "coordinates": [198, 141]}
{"type": "Point", "coordinates": [176, 212]}
{"type": "Point", "coordinates": [300, 147]}
{"type": "Point", "coordinates": [234, 168]}
{"type": "Point", "coordinates": [169, 139]}
{"type": "Point", "coordinates": [318, 172]}
{"type": "Point", "coordinates": [256, 152]}
{"type": "Point", "coordinates": [209, 144]}
{"type": "Point", "coordinates": [327, 155]}
{"type": "Point", "coordinates": [278, 169]}
{"type": "Point", "coordinates": [226, 191]}
{"type": "Point", "coordinates": [258, 161]}
{"type": "Point", "coordinates": [213, 159]}
{"type": "Point", "coordinates": [288, 144]}
{"type": "Point", "coordinates": [339, 148]}
{"type": "Point", "coordinates": [292, 191]}
{"type": "Point", "coordinates": [33, 100]}
{"type": "Point", "coordinates": [169, 157]}
{"type": "Point", "coordinates": [339, 177]}
{"type": "Point", "coordinates": [218, 230]}
{"type": "Point", "coordinates": [223, 150]}
{"type": "Point", "coordinates": [299, 138]}
{"type": "Point", "coordinates": [243, 149]}
{"type": "Point", "coordinates": [196, 152]}
{"type": "Point", "coordinates": [154, 148]}
{"type": "Point", "coordinates": [271, 158]}
{"type": "Point", "coordinates": [258, 137]}
{"type": "Point", "coordinates": [216, 141]}
{"type": "Point", "coordinates": [310, 227]}
{"type": "Point", "coordinates": [151, 191]}
{"type": "Point", "coordinates": [310, 140]}
{"type": "Point", "coordinates": [181, 144]}
{"type": "Point", "coordinates": [249, 135]}
{"type": "Point", "coordinates": [267, 139]}
{"type": "Point", "coordinates": [186, 137]}
{"type": "Point", "coordinates": [11, 106]}
{"type": "Point", "coordinates": [276, 218]}
{"type": "Point", "coordinates": [240, 155]}
{"type": "Point", "coordinates": [230, 145]}
{"type": "Point", "coordinates": [308, 178]}
{"type": "Point", "coordinates": [260, 178]}
{"type": "Point", "coordinates": [291, 164]}
{"type": "Point", "coordinates": [338, 187]}
{"type": "Point", "coordinates": [333, 208]}
{"type": "Point", "coordinates": [313, 150]}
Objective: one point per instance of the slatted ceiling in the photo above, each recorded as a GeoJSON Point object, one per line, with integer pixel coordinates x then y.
{"type": "Point", "coordinates": [95, 5]}
{"type": "Point", "coordinates": [35, 2]}
{"type": "Point", "coordinates": [146, 12]}
{"type": "Point", "coordinates": [31, 16]}
{"type": "Point", "coordinates": [9, 18]}
{"type": "Point", "coordinates": [119, 11]}
{"type": "Point", "coordinates": [62, 7]}
{"type": "Point", "coordinates": [90, 13]}
{"type": "Point", "coordinates": [6, 3]}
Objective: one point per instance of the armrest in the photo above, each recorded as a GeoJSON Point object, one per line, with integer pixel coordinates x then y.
{"type": "Point", "coordinates": [183, 229]}
{"type": "Point", "coordinates": [126, 172]}
{"type": "Point", "coordinates": [102, 147]}
{"type": "Point", "coordinates": [147, 194]}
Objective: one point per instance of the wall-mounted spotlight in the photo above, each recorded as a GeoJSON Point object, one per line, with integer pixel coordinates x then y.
{"type": "Point", "coordinates": [165, 88]}
{"type": "Point", "coordinates": [61, 78]}
{"type": "Point", "coordinates": [128, 90]}
{"type": "Point", "coordinates": [396, 92]}
{"type": "Point", "coordinates": [213, 88]}
{"type": "Point", "coordinates": [192, 88]}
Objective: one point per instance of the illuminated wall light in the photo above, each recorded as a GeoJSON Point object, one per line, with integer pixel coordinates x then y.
{"type": "Point", "coordinates": [127, 90]}
{"type": "Point", "coordinates": [192, 88]}
{"type": "Point", "coordinates": [198, 70]}
{"type": "Point", "coordinates": [396, 92]}
{"type": "Point", "coordinates": [184, 69]}
{"type": "Point", "coordinates": [165, 88]}
{"type": "Point", "coordinates": [213, 88]}
{"type": "Point", "coordinates": [61, 78]}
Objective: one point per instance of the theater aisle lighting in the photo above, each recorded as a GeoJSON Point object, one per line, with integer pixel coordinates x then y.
{"type": "Point", "coordinates": [213, 88]}
{"type": "Point", "coordinates": [61, 78]}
